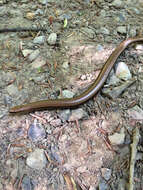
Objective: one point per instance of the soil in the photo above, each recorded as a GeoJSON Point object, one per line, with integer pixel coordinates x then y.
{"type": "Point", "coordinates": [69, 148]}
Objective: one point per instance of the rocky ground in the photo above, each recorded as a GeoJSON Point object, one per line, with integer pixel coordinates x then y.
{"type": "Point", "coordinates": [96, 146]}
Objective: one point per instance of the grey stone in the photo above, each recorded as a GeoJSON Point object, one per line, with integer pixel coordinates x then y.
{"type": "Point", "coordinates": [123, 72]}
{"type": "Point", "coordinates": [116, 91]}
{"type": "Point", "coordinates": [117, 138]}
{"type": "Point", "coordinates": [37, 159]}
{"type": "Point", "coordinates": [67, 94]}
{"type": "Point", "coordinates": [34, 55]}
{"type": "Point", "coordinates": [122, 29]}
{"type": "Point", "coordinates": [39, 40]}
{"type": "Point", "coordinates": [118, 3]}
{"type": "Point", "coordinates": [52, 39]}
{"type": "Point", "coordinates": [26, 52]}
{"type": "Point", "coordinates": [36, 132]}
{"type": "Point", "coordinates": [64, 114]}
{"type": "Point", "coordinates": [43, 2]}
{"type": "Point", "coordinates": [77, 114]}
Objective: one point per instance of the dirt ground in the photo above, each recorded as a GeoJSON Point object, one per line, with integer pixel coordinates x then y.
{"type": "Point", "coordinates": [95, 146]}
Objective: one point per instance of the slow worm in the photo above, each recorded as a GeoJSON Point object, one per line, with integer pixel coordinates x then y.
{"type": "Point", "coordinates": [87, 94]}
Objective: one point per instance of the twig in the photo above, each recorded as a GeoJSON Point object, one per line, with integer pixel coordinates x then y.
{"type": "Point", "coordinates": [136, 137]}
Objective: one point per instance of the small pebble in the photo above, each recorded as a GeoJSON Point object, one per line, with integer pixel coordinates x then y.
{"type": "Point", "coordinates": [64, 114]}
{"type": "Point", "coordinates": [77, 114]}
{"type": "Point", "coordinates": [83, 77]}
{"type": "Point", "coordinates": [139, 47]}
{"type": "Point", "coordinates": [117, 3]}
{"type": "Point", "coordinates": [52, 39]}
{"type": "Point", "coordinates": [26, 52]}
{"type": "Point", "coordinates": [37, 159]}
{"type": "Point", "coordinates": [123, 72]}
{"type": "Point", "coordinates": [30, 16]}
{"type": "Point", "coordinates": [122, 29]}
{"type": "Point", "coordinates": [43, 2]}
{"type": "Point", "coordinates": [117, 138]}
{"type": "Point", "coordinates": [115, 92]}
{"type": "Point", "coordinates": [36, 132]}
{"type": "Point", "coordinates": [65, 65]}
{"type": "Point", "coordinates": [67, 94]}
{"type": "Point", "coordinates": [39, 40]}
{"type": "Point", "coordinates": [113, 80]}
